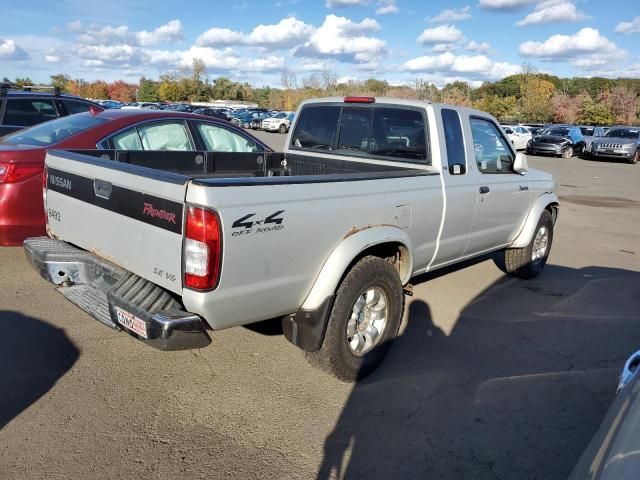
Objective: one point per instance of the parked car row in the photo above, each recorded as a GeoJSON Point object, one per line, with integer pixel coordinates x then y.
{"type": "Point", "coordinates": [621, 143]}
{"type": "Point", "coordinates": [262, 119]}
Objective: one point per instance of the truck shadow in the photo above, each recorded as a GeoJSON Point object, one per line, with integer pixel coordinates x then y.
{"type": "Point", "coordinates": [33, 356]}
{"type": "Point", "coordinates": [515, 391]}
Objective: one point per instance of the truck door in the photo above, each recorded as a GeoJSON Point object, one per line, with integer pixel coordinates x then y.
{"type": "Point", "coordinates": [502, 196]}
{"type": "Point", "coordinates": [460, 189]}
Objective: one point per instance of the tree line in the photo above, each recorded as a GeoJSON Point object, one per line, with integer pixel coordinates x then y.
{"type": "Point", "coordinates": [528, 97]}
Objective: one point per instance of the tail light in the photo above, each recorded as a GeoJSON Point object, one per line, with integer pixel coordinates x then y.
{"type": "Point", "coordinates": [202, 250]}
{"type": "Point", "coordinates": [16, 172]}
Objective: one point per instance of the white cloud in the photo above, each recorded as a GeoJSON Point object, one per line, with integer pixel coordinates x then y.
{"type": "Point", "coordinates": [629, 27]}
{"type": "Point", "coordinates": [310, 65]}
{"type": "Point", "coordinates": [345, 3]}
{"type": "Point", "coordinates": [386, 10]}
{"type": "Point", "coordinates": [550, 11]}
{"type": "Point", "coordinates": [505, 5]}
{"type": "Point", "coordinates": [560, 47]}
{"type": "Point", "coordinates": [440, 34]}
{"type": "Point", "coordinates": [108, 35]}
{"type": "Point", "coordinates": [53, 56]}
{"type": "Point", "coordinates": [169, 32]}
{"type": "Point", "coordinates": [443, 47]}
{"type": "Point", "coordinates": [344, 39]}
{"type": "Point", "coordinates": [451, 15]}
{"type": "Point", "coordinates": [74, 27]}
{"type": "Point", "coordinates": [264, 64]}
{"type": "Point", "coordinates": [111, 54]}
{"type": "Point", "coordinates": [387, 7]}
{"type": "Point", "coordinates": [475, 66]}
{"type": "Point", "coordinates": [480, 47]}
{"type": "Point", "coordinates": [9, 50]}
{"type": "Point", "coordinates": [287, 33]}
{"type": "Point", "coordinates": [215, 59]}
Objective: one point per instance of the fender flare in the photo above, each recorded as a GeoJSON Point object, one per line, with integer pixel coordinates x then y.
{"type": "Point", "coordinates": [343, 255]}
{"type": "Point", "coordinates": [528, 229]}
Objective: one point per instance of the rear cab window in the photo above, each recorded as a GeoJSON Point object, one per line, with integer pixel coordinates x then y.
{"type": "Point", "coordinates": [377, 131]}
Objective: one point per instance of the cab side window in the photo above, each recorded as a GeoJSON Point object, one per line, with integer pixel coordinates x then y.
{"type": "Point", "coordinates": [492, 151]}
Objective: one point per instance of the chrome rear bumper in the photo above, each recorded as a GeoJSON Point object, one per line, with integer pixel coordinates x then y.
{"type": "Point", "coordinates": [101, 289]}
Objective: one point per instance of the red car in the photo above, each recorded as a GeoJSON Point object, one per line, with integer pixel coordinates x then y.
{"type": "Point", "coordinates": [22, 153]}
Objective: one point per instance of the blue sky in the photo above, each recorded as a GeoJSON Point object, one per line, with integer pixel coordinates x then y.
{"type": "Point", "coordinates": [255, 41]}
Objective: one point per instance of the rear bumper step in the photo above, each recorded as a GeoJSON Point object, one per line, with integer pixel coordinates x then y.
{"type": "Point", "coordinates": [103, 289]}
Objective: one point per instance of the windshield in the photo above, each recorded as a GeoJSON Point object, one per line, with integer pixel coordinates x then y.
{"type": "Point", "coordinates": [557, 132]}
{"type": "Point", "coordinates": [622, 133]}
{"type": "Point", "coordinates": [588, 131]}
{"type": "Point", "coordinates": [279, 115]}
{"type": "Point", "coordinates": [54, 131]}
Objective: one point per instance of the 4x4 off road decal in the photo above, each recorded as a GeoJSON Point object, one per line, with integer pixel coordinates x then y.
{"type": "Point", "coordinates": [156, 211]}
{"type": "Point", "coordinates": [254, 223]}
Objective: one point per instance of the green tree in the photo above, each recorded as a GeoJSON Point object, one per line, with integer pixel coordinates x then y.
{"type": "Point", "coordinates": [148, 90]}
{"type": "Point", "coordinates": [594, 113]}
{"type": "Point", "coordinates": [535, 98]}
{"type": "Point", "coordinates": [504, 109]}
{"type": "Point", "coordinates": [377, 87]}
{"type": "Point", "coordinates": [61, 81]}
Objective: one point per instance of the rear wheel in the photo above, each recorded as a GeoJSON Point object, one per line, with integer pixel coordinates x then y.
{"type": "Point", "coordinates": [283, 128]}
{"type": "Point", "coordinates": [364, 320]}
{"type": "Point", "coordinates": [529, 261]}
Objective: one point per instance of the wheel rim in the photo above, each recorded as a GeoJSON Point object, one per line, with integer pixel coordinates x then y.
{"type": "Point", "coordinates": [368, 321]}
{"type": "Point", "coordinates": [540, 244]}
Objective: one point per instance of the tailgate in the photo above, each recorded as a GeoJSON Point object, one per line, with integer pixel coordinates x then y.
{"type": "Point", "coordinates": [127, 214]}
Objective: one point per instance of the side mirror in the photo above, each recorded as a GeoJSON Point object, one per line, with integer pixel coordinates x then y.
{"type": "Point", "coordinates": [520, 165]}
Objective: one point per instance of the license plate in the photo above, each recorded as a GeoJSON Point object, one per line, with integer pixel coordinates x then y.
{"type": "Point", "coordinates": [131, 322]}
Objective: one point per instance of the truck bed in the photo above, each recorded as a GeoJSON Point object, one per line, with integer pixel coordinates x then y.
{"type": "Point", "coordinates": [235, 169]}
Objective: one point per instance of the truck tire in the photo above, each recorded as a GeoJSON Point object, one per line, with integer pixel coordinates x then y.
{"type": "Point", "coordinates": [529, 261]}
{"type": "Point", "coordinates": [370, 299]}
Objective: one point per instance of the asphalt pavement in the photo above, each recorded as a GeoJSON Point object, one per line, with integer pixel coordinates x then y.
{"type": "Point", "coordinates": [491, 377]}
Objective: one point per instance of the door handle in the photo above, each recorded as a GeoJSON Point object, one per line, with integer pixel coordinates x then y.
{"type": "Point", "coordinates": [484, 189]}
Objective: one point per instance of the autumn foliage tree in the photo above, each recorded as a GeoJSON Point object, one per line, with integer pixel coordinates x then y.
{"type": "Point", "coordinates": [122, 91]}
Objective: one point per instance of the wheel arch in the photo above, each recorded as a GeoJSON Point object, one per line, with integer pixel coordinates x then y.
{"type": "Point", "coordinates": [547, 201]}
{"type": "Point", "coordinates": [385, 241]}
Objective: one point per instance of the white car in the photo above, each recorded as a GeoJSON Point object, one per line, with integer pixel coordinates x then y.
{"type": "Point", "coordinates": [518, 135]}
{"type": "Point", "coordinates": [280, 122]}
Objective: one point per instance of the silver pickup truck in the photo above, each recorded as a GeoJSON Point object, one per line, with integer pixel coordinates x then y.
{"type": "Point", "coordinates": [326, 235]}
